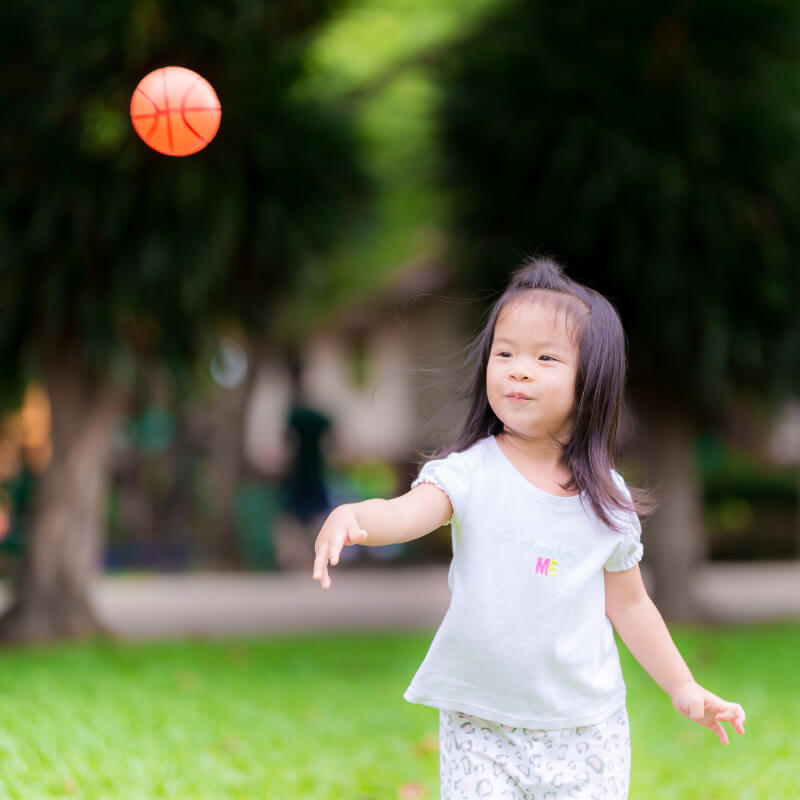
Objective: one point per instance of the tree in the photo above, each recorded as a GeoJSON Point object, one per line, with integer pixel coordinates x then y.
{"type": "Point", "coordinates": [116, 259]}
{"type": "Point", "coordinates": [653, 149]}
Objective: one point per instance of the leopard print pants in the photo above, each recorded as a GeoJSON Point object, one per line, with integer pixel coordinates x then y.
{"type": "Point", "coordinates": [480, 758]}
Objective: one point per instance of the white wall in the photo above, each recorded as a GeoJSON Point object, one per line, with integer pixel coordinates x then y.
{"type": "Point", "coordinates": [384, 418]}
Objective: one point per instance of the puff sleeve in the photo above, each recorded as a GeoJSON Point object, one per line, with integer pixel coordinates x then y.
{"type": "Point", "coordinates": [451, 475]}
{"type": "Point", "coordinates": [628, 550]}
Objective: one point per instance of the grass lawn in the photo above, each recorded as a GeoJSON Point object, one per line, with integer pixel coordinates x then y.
{"type": "Point", "coordinates": [322, 717]}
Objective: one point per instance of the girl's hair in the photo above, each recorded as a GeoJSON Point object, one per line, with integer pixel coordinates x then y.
{"type": "Point", "coordinates": [599, 385]}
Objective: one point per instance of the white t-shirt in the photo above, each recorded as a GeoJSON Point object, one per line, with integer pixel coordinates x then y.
{"type": "Point", "coordinates": [525, 641]}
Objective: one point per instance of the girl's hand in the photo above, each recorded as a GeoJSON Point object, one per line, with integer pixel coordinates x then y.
{"type": "Point", "coordinates": [708, 710]}
{"type": "Point", "coordinates": [340, 528]}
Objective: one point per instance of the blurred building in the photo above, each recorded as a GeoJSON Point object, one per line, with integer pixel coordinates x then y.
{"type": "Point", "coordinates": [385, 370]}
{"type": "Point", "coordinates": [381, 369]}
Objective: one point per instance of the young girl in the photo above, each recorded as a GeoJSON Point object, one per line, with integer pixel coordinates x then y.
{"type": "Point", "coordinates": [546, 543]}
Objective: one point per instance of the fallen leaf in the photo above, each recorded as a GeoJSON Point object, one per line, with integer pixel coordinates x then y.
{"type": "Point", "coordinates": [411, 791]}
{"type": "Point", "coordinates": [427, 744]}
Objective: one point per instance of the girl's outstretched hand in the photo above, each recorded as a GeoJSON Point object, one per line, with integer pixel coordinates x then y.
{"type": "Point", "coordinates": [341, 528]}
{"type": "Point", "coordinates": [708, 710]}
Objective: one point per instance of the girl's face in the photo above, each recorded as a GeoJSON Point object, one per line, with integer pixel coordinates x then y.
{"type": "Point", "coordinates": [530, 377]}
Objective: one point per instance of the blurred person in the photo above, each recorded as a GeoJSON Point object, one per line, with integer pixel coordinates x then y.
{"type": "Point", "coordinates": [305, 494]}
{"type": "Point", "coordinates": [546, 539]}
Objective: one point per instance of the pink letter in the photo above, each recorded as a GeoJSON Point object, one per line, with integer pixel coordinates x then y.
{"type": "Point", "coordinates": [542, 566]}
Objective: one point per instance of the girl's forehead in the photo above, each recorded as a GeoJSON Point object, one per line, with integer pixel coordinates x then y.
{"type": "Point", "coordinates": [529, 319]}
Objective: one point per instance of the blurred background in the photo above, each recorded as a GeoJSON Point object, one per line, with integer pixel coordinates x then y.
{"type": "Point", "coordinates": [203, 355]}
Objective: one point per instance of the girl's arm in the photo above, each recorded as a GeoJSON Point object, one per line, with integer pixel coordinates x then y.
{"type": "Point", "coordinates": [642, 628]}
{"type": "Point", "coordinates": [376, 522]}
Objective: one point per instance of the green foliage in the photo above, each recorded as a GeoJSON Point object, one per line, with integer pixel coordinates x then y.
{"type": "Point", "coordinates": [728, 471]}
{"type": "Point", "coordinates": [374, 57]}
{"type": "Point", "coordinates": [750, 508]}
{"type": "Point", "coordinates": [371, 38]}
{"type": "Point", "coordinates": [654, 149]}
{"type": "Point", "coordinates": [322, 717]}
{"type": "Point", "coordinates": [130, 254]}
{"type": "Point", "coordinates": [401, 224]}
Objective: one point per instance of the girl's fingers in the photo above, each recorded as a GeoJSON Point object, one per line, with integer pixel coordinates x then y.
{"type": "Point", "coordinates": [736, 718]}
{"type": "Point", "coordinates": [321, 560]}
{"type": "Point", "coordinates": [321, 567]}
{"type": "Point", "coordinates": [735, 715]}
{"type": "Point", "coordinates": [330, 552]}
{"type": "Point", "coordinates": [717, 728]}
{"type": "Point", "coordinates": [355, 535]}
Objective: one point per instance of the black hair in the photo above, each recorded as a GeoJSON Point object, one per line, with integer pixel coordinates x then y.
{"type": "Point", "coordinates": [589, 452]}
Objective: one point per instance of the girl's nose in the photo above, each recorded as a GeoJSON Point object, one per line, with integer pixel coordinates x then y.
{"type": "Point", "coordinates": [519, 373]}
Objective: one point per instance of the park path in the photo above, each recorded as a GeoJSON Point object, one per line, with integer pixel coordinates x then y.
{"type": "Point", "coordinates": [380, 597]}
{"type": "Point", "coordinates": [230, 604]}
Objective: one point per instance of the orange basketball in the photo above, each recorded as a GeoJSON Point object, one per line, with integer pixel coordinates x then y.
{"type": "Point", "coordinates": [175, 111]}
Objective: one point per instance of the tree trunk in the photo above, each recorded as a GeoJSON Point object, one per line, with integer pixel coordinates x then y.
{"type": "Point", "coordinates": [674, 537]}
{"type": "Point", "coordinates": [64, 541]}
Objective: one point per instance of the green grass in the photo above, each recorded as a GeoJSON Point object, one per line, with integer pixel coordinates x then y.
{"type": "Point", "coordinates": [323, 717]}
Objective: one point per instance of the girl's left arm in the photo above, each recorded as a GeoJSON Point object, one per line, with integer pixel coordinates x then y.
{"type": "Point", "coordinates": [642, 628]}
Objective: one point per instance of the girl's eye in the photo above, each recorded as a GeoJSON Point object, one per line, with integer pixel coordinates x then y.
{"type": "Point", "coordinates": [504, 353]}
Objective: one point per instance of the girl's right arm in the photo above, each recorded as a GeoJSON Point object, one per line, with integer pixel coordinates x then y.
{"type": "Point", "coordinates": [418, 512]}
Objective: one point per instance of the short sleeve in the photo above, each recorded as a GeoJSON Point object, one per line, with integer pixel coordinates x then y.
{"type": "Point", "coordinates": [449, 474]}
{"type": "Point", "coordinates": [629, 550]}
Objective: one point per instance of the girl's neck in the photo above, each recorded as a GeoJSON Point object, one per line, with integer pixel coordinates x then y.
{"type": "Point", "coordinates": [541, 454]}
{"type": "Point", "coordinates": [539, 462]}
